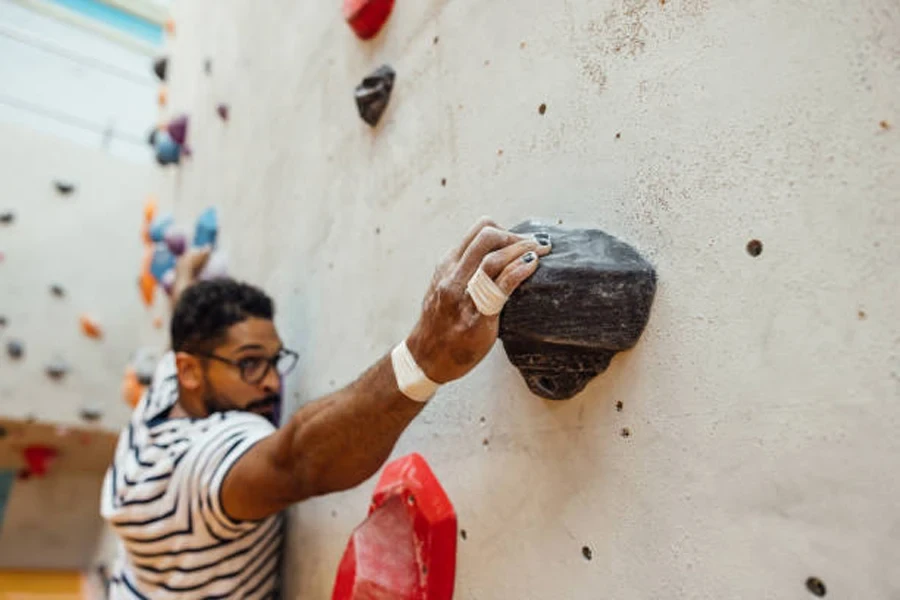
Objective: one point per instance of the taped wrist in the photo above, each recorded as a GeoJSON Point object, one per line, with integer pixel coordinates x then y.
{"type": "Point", "coordinates": [411, 379]}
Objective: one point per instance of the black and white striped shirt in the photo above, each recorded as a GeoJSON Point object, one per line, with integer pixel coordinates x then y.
{"type": "Point", "coordinates": [161, 496]}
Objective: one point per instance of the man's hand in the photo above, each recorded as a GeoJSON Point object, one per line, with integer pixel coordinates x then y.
{"type": "Point", "coordinates": [187, 270]}
{"type": "Point", "coordinates": [451, 336]}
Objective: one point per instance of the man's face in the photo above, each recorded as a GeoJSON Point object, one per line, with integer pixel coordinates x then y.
{"type": "Point", "coordinates": [252, 345]}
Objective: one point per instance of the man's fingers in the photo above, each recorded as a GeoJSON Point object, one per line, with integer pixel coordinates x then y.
{"type": "Point", "coordinates": [474, 231]}
{"type": "Point", "coordinates": [517, 272]}
{"type": "Point", "coordinates": [487, 240]}
{"type": "Point", "coordinates": [494, 263]}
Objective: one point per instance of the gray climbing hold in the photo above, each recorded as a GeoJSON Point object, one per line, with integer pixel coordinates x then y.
{"type": "Point", "coordinates": [57, 290]}
{"type": "Point", "coordinates": [589, 299]}
{"type": "Point", "coordinates": [64, 187]}
{"type": "Point", "coordinates": [15, 349]}
{"type": "Point", "coordinates": [160, 66]}
{"type": "Point", "coordinates": [144, 363]}
{"type": "Point", "coordinates": [7, 217]}
{"type": "Point", "coordinates": [57, 368]}
{"type": "Point", "coordinates": [207, 66]}
{"type": "Point", "coordinates": [90, 413]}
{"type": "Point", "coordinates": [3, 321]}
{"type": "Point", "coordinates": [373, 94]}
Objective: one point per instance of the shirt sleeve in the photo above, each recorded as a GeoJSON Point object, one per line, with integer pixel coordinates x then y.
{"type": "Point", "coordinates": [217, 447]}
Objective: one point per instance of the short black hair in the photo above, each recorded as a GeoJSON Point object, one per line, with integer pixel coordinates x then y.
{"type": "Point", "coordinates": [207, 309]}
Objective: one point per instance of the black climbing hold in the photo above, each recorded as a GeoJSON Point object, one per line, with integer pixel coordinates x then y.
{"type": "Point", "coordinates": [57, 290]}
{"type": "Point", "coordinates": [207, 66]}
{"type": "Point", "coordinates": [373, 94]}
{"type": "Point", "coordinates": [15, 348]}
{"type": "Point", "coordinates": [160, 66]}
{"type": "Point", "coordinates": [3, 321]}
{"type": "Point", "coordinates": [589, 299]}
{"type": "Point", "coordinates": [815, 586]}
{"type": "Point", "coordinates": [90, 413]}
{"type": "Point", "coordinates": [8, 217]}
{"type": "Point", "coordinates": [64, 187]}
{"type": "Point", "coordinates": [56, 369]}
{"type": "Point", "coordinates": [586, 553]}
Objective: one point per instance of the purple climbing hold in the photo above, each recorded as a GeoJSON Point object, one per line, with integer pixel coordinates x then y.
{"type": "Point", "coordinates": [176, 241]}
{"type": "Point", "coordinates": [178, 129]}
{"type": "Point", "coordinates": [222, 109]}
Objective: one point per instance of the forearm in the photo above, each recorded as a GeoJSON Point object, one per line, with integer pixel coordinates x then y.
{"type": "Point", "coordinates": [341, 440]}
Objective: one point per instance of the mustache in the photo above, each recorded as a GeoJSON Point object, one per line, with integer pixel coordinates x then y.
{"type": "Point", "coordinates": [268, 403]}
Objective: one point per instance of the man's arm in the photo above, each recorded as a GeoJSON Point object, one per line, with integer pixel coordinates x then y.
{"type": "Point", "coordinates": [341, 440]}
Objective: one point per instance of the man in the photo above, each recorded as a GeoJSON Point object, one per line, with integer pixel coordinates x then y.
{"type": "Point", "coordinates": [201, 474]}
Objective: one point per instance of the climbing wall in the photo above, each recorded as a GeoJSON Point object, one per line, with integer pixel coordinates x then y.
{"type": "Point", "coordinates": [66, 256]}
{"type": "Point", "coordinates": [746, 447]}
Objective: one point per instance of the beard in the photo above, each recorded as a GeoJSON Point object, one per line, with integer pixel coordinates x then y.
{"type": "Point", "coordinates": [268, 407]}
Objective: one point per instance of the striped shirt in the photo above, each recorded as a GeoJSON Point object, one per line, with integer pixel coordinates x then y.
{"type": "Point", "coordinates": [161, 496]}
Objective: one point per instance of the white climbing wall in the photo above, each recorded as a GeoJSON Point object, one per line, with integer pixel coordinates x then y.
{"type": "Point", "coordinates": [87, 242]}
{"type": "Point", "coordinates": [762, 401]}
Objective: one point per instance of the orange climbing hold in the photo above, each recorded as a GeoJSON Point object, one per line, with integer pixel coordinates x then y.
{"type": "Point", "coordinates": [146, 281]}
{"type": "Point", "coordinates": [158, 323]}
{"type": "Point", "coordinates": [90, 327]}
{"type": "Point", "coordinates": [163, 97]}
{"type": "Point", "coordinates": [132, 390]}
{"type": "Point", "coordinates": [367, 17]}
{"type": "Point", "coordinates": [170, 26]}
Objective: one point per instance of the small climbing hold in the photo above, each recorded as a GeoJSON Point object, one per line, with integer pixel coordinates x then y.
{"type": "Point", "coordinates": [542, 108]}
{"type": "Point", "coordinates": [57, 290]}
{"type": "Point", "coordinates": [90, 413]}
{"type": "Point", "coordinates": [160, 66]}
{"type": "Point", "coordinates": [178, 129]}
{"type": "Point", "coordinates": [207, 66]}
{"type": "Point", "coordinates": [619, 135]}
{"type": "Point", "coordinates": [222, 111]}
{"type": "Point", "coordinates": [626, 432]}
{"type": "Point", "coordinates": [90, 327]}
{"type": "Point", "coordinates": [754, 248]}
{"type": "Point", "coordinates": [57, 368]}
{"type": "Point", "coordinates": [3, 321]}
{"type": "Point", "coordinates": [38, 459]}
{"type": "Point", "coordinates": [463, 534]}
{"type": "Point", "coordinates": [15, 349]}
{"type": "Point", "coordinates": [586, 553]}
{"type": "Point", "coordinates": [64, 187]}
{"type": "Point", "coordinates": [168, 152]}
{"type": "Point", "coordinates": [157, 322]}
{"type": "Point", "coordinates": [374, 93]}
{"type": "Point", "coordinates": [619, 406]}
{"type": "Point", "coordinates": [170, 26]}
{"type": "Point", "coordinates": [176, 241]}
{"type": "Point", "coordinates": [162, 97]}
{"type": "Point", "coordinates": [884, 125]}
{"type": "Point", "coordinates": [816, 587]}
{"type": "Point", "coordinates": [367, 17]}
{"type": "Point", "coordinates": [206, 230]}
{"type": "Point", "coordinates": [444, 182]}
{"type": "Point", "coordinates": [7, 218]}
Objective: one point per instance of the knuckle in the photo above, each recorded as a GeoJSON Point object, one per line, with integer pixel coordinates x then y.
{"type": "Point", "coordinates": [492, 264]}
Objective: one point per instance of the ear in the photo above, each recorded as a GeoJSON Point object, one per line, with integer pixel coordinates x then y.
{"type": "Point", "coordinates": [190, 371]}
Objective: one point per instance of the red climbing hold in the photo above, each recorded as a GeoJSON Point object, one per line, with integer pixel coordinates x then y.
{"type": "Point", "coordinates": [406, 548]}
{"type": "Point", "coordinates": [38, 458]}
{"type": "Point", "coordinates": [367, 17]}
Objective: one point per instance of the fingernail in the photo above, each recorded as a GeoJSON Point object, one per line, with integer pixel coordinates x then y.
{"type": "Point", "coordinates": [542, 238]}
{"type": "Point", "coordinates": [529, 257]}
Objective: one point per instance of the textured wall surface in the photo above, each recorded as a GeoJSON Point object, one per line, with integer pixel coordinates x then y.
{"type": "Point", "coordinates": [762, 401]}
{"type": "Point", "coordinates": [87, 242]}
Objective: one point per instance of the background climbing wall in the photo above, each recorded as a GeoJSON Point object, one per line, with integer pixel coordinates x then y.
{"type": "Point", "coordinates": [89, 243]}
{"type": "Point", "coordinates": [761, 403]}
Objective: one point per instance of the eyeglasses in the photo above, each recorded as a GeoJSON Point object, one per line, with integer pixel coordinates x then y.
{"type": "Point", "coordinates": [255, 368]}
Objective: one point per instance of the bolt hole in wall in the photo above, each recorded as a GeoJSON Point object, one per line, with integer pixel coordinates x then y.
{"type": "Point", "coordinates": [754, 248]}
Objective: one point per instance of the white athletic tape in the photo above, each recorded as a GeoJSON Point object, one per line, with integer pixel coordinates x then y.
{"type": "Point", "coordinates": [411, 379]}
{"type": "Point", "coordinates": [488, 297]}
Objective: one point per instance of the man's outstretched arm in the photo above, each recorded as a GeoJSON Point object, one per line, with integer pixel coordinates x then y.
{"type": "Point", "coordinates": [339, 441]}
